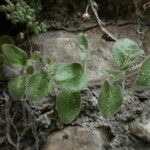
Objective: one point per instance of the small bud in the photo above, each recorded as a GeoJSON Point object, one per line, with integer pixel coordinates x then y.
{"type": "Point", "coordinates": [8, 16]}
{"type": "Point", "coordinates": [86, 16]}
{"type": "Point", "coordinates": [20, 36]}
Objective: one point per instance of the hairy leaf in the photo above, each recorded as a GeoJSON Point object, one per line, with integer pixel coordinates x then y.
{"type": "Point", "coordinates": [110, 98]}
{"type": "Point", "coordinates": [30, 70]}
{"type": "Point", "coordinates": [38, 86]}
{"type": "Point", "coordinates": [82, 41]}
{"type": "Point", "coordinates": [125, 51]}
{"type": "Point", "coordinates": [14, 55]}
{"type": "Point", "coordinates": [5, 39]}
{"type": "Point", "coordinates": [71, 76]}
{"type": "Point", "coordinates": [144, 73]}
{"type": "Point", "coordinates": [36, 55]}
{"type": "Point", "coordinates": [47, 60]}
{"type": "Point", "coordinates": [16, 87]}
{"type": "Point", "coordinates": [68, 106]}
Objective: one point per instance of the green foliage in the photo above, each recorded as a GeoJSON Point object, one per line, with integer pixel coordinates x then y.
{"type": "Point", "coordinates": [30, 70]}
{"type": "Point", "coordinates": [47, 60]}
{"type": "Point", "coordinates": [114, 73]}
{"type": "Point", "coordinates": [38, 86]}
{"type": "Point", "coordinates": [14, 55]}
{"type": "Point", "coordinates": [110, 98]}
{"type": "Point", "coordinates": [16, 87]}
{"type": "Point", "coordinates": [36, 55]}
{"type": "Point", "coordinates": [144, 73]}
{"type": "Point", "coordinates": [82, 43]}
{"type": "Point", "coordinates": [5, 39]}
{"type": "Point", "coordinates": [71, 76]}
{"type": "Point", "coordinates": [21, 12]}
{"type": "Point", "coordinates": [68, 105]}
{"type": "Point", "coordinates": [35, 81]}
{"type": "Point", "coordinates": [125, 51]}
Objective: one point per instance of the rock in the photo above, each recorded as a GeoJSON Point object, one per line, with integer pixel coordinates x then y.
{"type": "Point", "coordinates": [61, 47]}
{"type": "Point", "coordinates": [141, 130]}
{"type": "Point", "coordinates": [76, 138]}
{"type": "Point", "coordinates": [7, 72]}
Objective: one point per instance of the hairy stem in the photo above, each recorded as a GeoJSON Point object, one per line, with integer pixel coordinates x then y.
{"type": "Point", "coordinates": [128, 72]}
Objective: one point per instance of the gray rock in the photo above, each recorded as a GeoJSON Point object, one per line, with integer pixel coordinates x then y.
{"type": "Point", "coordinates": [141, 130]}
{"type": "Point", "coordinates": [61, 47]}
{"type": "Point", "coordinates": [76, 138]}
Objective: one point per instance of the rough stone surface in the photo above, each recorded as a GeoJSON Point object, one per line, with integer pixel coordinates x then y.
{"type": "Point", "coordinates": [76, 138]}
{"type": "Point", "coordinates": [141, 130]}
{"type": "Point", "coordinates": [61, 47]}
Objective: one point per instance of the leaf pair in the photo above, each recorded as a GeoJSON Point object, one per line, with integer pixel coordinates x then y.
{"type": "Point", "coordinates": [72, 79]}
{"type": "Point", "coordinates": [111, 96]}
{"type": "Point", "coordinates": [125, 51]}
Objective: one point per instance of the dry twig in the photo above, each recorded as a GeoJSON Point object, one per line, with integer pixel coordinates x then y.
{"type": "Point", "coordinates": [101, 24]}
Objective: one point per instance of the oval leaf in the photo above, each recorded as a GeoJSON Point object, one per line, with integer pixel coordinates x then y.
{"type": "Point", "coordinates": [68, 106]}
{"type": "Point", "coordinates": [71, 76]}
{"type": "Point", "coordinates": [125, 51]}
{"type": "Point", "coordinates": [30, 70]}
{"type": "Point", "coordinates": [47, 60]}
{"type": "Point", "coordinates": [110, 98]}
{"type": "Point", "coordinates": [5, 39]}
{"type": "Point", "coordinates": [16, 87]}
{"type": "Point", "coordinates": [38, 86]}
{"type": "Point", "coordinates": [144, 74]}
{"type": "Point", "coordinates": [36, 55]}
{"type": "Point", "coordinates": [14, 55]}
{"type": "Point", "coordinates": [82, 41]}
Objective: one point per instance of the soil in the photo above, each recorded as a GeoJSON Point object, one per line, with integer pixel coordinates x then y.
{"type": "Point", "coordinates": [33, 122]}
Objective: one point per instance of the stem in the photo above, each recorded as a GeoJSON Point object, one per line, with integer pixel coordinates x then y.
{"type": "Point", "coordinates": [84, 66]}
{"type": "Point", "coordinates": [128, 72]}
{"type": "Point", "coordinates": [100, 22]}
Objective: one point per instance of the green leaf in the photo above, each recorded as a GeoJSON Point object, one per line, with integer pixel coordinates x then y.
{"type": "Point", "coordinates": [2, 60]}
{"type": "Point", "coordinates": [84, 54]}
{"type": "Point", "coordinates": [47, 60]}
{"type": "Point", "coordinates": [5, 39]}
{"type": "Point", "coordinates": [82, 41]}
{"type": "Point", "coordinates": [110, 98]}
{"type": "Point", "coordinates": [144, 73]}
{"type": "Point", "coordinates": [36, 55]}
{"type": "Point", "coordinates": [14, 55]}
{"type": "Point", "coordinates": [114, 73]}
{"type": "Point", "coordinates": [71, 76]}
{"type": "Point", "coordinates": [30, 70]}
{"type": "Point", "coordinates": [125, 51]}
{"type": "Point", "coordinates": [68, 105]}
{"type": "Point", "coordinates": [16, 87]}
{"type": "Point", "coordinates": [38, 86]}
